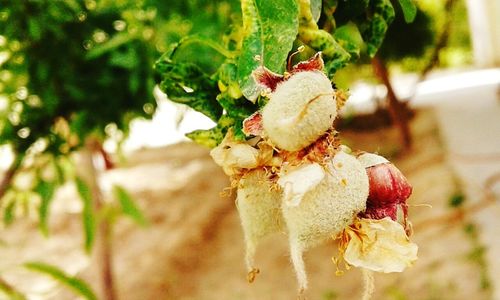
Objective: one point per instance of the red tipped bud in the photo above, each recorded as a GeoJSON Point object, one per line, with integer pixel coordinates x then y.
{"type": "Point", "coordinates": [388, 186]}
{"type": "Point", "coordinates": [389, 189]}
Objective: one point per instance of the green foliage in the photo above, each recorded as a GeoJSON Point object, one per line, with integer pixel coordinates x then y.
{"type": "Point", "coordinates": [68, 60]}
{"type": "Point", "coordinates": [78, 286]}
{"type": "Point", "coordinates": [88, 216]}
{"type": "Point", "coordinates": [46, 191]}
{"type": "Point", "coordinates": [404, 40]}
{"type": "Point", "coordinates": [128, 205]}
{"type": "Point", "coordinates": [269, 29]}
{"type": "Point", "coordinates": [409, 10]}
{"type": "Point", "coordinates": [268, 34]}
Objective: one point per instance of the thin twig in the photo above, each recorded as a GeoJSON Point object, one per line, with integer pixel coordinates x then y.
{"type": "Point", "coordinates": [104, 238]}
{"type": "Point", "coordinates": [9, 175]}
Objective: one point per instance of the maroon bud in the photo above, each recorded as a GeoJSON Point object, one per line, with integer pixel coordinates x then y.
{"type": "Point", "coordinates": [388, 186]}
{"type": "Point", "coordinates": [389, 190]}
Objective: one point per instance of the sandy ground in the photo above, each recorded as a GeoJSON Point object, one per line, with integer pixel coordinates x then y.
{"type": "Point", "coordinates": [193, 248]}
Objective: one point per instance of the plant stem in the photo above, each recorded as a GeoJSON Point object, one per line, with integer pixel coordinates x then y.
{"type": "Point", "coordinates": [397, 109]}
{"type": "Point", "coordinates": [10, 291]}
{"type": "Point", "coordinates": [9, 175]}
{"type": "Point", "coordinates": [104, 244]}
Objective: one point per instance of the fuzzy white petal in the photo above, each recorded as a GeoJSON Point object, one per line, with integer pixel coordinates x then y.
{"type": "Point", "coordinates": [298, 182]}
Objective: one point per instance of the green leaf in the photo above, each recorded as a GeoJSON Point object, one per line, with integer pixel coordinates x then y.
{"type": "Point", "coordinates": [87, 213]}
{"type": "Point", "coordinates": [349, 38]}
{"type": "Point", "coordinates": [77, 285]}
{"type": "Point", "coordinates": [10, 291]}
{"type": "Point", "coordinates": [46, 191]}
{"type": "Point", "coordinates": [186, 83]}
{"type": "Point", "coordinates": [128, 205]}
{"type": "Point", "coordinates": [409, 10]}
{"type": "Point", "coordinates": [8, 214]}
{"type": "Point", "coordinates": [212, 137]}
{"type": "Point", "coordinates": [374, 29]}
{"type": "Point", "coordinates": [116, 41]}
{"type": "Point", "coordinates": [270, 27]}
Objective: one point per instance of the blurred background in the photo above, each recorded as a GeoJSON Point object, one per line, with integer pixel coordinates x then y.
{"type": "Point", "coordinates": [149, 219]}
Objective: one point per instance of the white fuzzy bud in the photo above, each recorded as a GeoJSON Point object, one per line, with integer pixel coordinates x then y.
{"type": "Point", "coordinates": [327, 209]}
{"type": "Point", "coordinates": [300, 110]}
{"type": "Point", "coordinates": [259, 207]}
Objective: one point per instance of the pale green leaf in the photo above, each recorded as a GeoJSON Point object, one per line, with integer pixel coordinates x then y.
{"type": "Point", "coordinates": [46, 191]}
{"type": "Point", "coordinates": [87, 213]}
{"type": "Point", "coordinates": [128, 205]}
{"type": "Point", "coordinates": [77, 285]}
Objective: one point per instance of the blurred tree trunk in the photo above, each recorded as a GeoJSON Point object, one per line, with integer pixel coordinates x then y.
{"type": "Point", "coordinates": [398, 110]}
{"type": "Point", "coordinates": [104, 246]}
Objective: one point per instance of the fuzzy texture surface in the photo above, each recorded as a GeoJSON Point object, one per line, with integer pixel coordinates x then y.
{"type": "Point", "coordinates": [299, 111]}
{"type": "Point", "coordinates": [327, 209]}
{"type": "Point", "coordinates": [259, 207]}
{"type": "Point", "coordinates": [371, 159]}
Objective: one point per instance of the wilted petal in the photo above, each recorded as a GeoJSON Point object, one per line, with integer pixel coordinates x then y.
{"type": "Point", "coordinates": [298, 182]}
{"type": "Point", "coordinates": [233, 156]}
{"type": "Point", "coordinates": [379, 245]}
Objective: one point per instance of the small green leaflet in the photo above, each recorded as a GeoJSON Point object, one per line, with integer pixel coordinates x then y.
{"type": "Point", "coordinates": [409, 10]}
{"type": "Point", "coordinates": [270, 27]}
{"type": "Point", "coordinates": [46, 191]}
{"type": "Point", "coordinates": [87, 213]}
{"type": "Point", "coordinates": [128, 206]}
{"type": "Point", "coordinates": [77, 285]}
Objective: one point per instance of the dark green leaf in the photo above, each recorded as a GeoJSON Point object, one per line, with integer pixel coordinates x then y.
{"type": "Point", "coordinates": [128, 205]}
{"type": "Point", "coordinates": [270, 29]}
{"type": "Point", "coordinates": [374, 29]}
{"type": "Point", "coordinates": [77, 285]}
{"type": "Point", "coordinates": [409, 10]}
{"type": "Point", "coordinates": [238, 108]}
{"type": "Point", "coordinates": [87, 213]}
{"type": "Point", "coordinates": [46, 192]}
{"type": "Point", "coordinates": [186, 83]}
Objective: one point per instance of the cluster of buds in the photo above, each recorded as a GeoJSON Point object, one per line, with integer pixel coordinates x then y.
{"type": "Point", "coordinates": [293, 176]}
